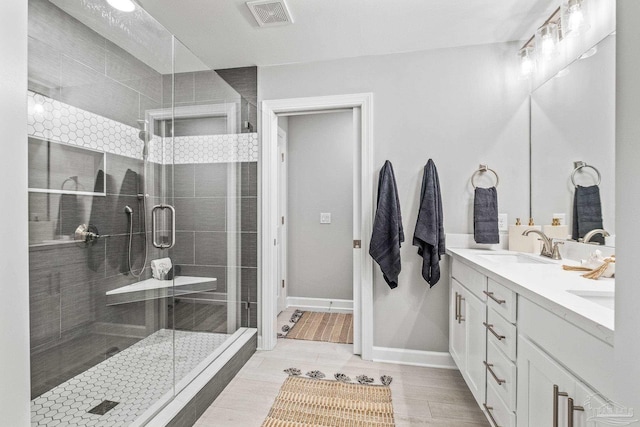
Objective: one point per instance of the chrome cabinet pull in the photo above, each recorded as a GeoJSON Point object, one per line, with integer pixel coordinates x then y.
{"type": "Point", "coordinates": [556, 394]}
{"type": "Point", "coordinates": [571, 408]}
{"type": "Point", "coordinates": [457, 306]}
{"type": "Point", "coordinates": [490, 295]}
{"type": "Point", "coordinates": [493, 374]}
{"type": "Point", "coordinates": [460, 299]}
{"type": "Point", "coordinates": [154, 226]}
{"type": "Point", "coordinates": [490, 329]}
{"type": "Point", "coordinates": [489, 409]}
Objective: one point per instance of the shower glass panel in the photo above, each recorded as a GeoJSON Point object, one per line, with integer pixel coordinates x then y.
{"type": "Point", "coordinates": [155, 156]}
{"type": "Point", "coordinates": [215, 180]}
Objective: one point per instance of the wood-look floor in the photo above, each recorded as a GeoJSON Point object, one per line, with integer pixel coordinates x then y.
{"type": "Point", "coordinates": [421, 396]}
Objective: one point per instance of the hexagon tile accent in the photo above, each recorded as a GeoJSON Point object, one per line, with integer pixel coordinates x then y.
{"type": "Point", "coordinates": [54, 120]}
{"type": "Point", "coordinates": [137, 378]}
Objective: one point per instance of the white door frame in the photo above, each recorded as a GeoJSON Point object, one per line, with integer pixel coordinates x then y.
{"type": "Point", "coordinates": [363, 292]}
{"type": "Point", "coordinates": [282, 225]}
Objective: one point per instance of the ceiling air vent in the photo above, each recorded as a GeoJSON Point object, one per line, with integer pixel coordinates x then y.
{"type": "Point", "coordinates": [270, 12]}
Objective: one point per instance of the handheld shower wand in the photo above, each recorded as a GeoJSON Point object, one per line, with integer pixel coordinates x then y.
{"type": "Point", "coordinates": [129, 211]}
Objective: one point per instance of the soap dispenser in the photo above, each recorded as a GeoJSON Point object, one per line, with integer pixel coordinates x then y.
{"type": "Point", "coordinates": [520, 243]}
{"type": "Point", "coordinates": [555, 230]}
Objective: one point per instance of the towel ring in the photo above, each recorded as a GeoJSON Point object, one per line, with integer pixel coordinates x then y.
{"type": "Point", "coordinates": [484, 168]}
{"type": "Point", "coordinates": [580, 165]}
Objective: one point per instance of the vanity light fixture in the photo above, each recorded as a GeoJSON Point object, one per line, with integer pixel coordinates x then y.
{"type": "Point", "coordinates": [123, 5]}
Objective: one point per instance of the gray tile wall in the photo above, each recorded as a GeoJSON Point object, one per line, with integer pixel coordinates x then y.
{"type": "Point", "coordinates": [72, 63]}
{"type": "Point", "coordinates": [233, 85]}
{"type": "Point", "coordinates": [203, 231]}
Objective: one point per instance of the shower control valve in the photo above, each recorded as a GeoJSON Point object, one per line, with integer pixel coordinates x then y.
{"type": "Point", "coordinates": [86, 234]}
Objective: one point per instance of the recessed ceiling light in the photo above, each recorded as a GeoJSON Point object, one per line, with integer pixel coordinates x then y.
{"type": "Point", "coordinates": [123, 5]}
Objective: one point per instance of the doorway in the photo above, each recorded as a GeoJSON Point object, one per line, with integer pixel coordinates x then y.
{"type": "Point", "coordinates": [360, 106]}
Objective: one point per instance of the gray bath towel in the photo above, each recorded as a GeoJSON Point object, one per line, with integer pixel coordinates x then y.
{"type": "Point", "coordinates": [388, 234]}
{"type": "Point", "coordinates": [485, 215]}
{"type": "Point", "coordinates": [587, 212]}
{"type": "Point", "coordinates": [429, 233]}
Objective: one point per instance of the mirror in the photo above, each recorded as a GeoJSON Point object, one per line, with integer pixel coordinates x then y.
{"type": "Point", "coordinates": [573, 119]}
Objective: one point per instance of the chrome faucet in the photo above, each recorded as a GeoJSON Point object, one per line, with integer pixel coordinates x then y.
{"type": "Point", "coordinates": [587, 237]}
{"type": "Point", "coordinates": [549, 249]}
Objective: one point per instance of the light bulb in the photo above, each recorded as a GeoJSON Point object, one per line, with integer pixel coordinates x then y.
{"type": "Point", "coordinates": [527, 62]}
{"type": "Point", "coordinates": [574, 17]}
{"type": "Point", "coordinates": [547, 45]}
{"type": "Point", "coordinates": [123, 5]}
{"type": "Point", "coordinates": [38, 108]}
{"type": "Point", "coordinates": [547, 40]}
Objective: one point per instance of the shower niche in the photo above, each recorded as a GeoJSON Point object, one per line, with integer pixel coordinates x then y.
{"type": "Point", "coordinates": [65, 169]}
{"type": "Point", "coordinates": [63, 181]}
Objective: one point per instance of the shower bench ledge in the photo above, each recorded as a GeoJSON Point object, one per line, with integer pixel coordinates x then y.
{"type": "Point", "coordinates": [153, 289]}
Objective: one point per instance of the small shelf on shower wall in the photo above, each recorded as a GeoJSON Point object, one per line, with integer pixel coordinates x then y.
{"type": "Point", "coordinates": [58, 168]}
{"type": "Point", "coordinates": [154, 289]}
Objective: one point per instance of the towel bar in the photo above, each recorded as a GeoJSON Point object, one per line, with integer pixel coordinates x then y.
{"type": "Point", "coordinates": [579, 165]}
{"type": "Point", "coordinates": [481, 169]}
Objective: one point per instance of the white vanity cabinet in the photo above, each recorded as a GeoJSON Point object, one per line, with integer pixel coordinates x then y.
{"type": "Point", "coordinates": [545, 390]}
{"type": "Point", "coordinates": [467, 334]}
{"type": "Point", "coordinates": [525, 363]}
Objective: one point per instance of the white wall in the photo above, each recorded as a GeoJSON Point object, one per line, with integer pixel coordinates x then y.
{"type": "Point", "coordinates": [627, 338]}
{"type": "Point", "coordinates": [320, 168]}
{"type": "Point", "coordinates": [14, 268]}
{"type": "Point", "coordinates": [458, 106]}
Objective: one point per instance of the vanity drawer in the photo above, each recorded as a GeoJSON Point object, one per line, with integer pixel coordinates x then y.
{"type": "Point", "coordinates": [501, 373]}
{"type": "Point", "coordinates": [471, 279]}
{"type": "Point", "coordinates": [498, 412]}
{"type": "Point", "coordinates": [501, 333]}
{"type": "Point", "coordinates": [502, 300]}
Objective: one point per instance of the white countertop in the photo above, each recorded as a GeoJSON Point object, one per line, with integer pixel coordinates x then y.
{"type": "Point", "coordinates": [547, 284]}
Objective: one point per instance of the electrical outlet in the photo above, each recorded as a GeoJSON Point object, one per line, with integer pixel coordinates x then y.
{"type": "Point", "coordinates": [503, 222]}
{"type": "Point", "coordinates": [325, 218]}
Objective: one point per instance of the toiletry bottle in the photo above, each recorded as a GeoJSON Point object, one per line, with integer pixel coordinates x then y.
{"type": "Point", "coordinates": [555, 230]}
{"type": "Point", "coordinates": [518, 242]}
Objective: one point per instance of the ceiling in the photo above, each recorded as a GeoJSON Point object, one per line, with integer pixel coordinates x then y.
{"type": "Point", "coordinates": [224, 34]}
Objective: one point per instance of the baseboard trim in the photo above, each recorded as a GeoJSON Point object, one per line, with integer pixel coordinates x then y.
{"type": "Point", "coordinates": [321, 304]}
{"type": "Point", "coordinates": [400, 356]}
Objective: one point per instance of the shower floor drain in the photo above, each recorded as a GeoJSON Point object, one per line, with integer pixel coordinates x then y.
{"type": "Point", "coordinates": [103, 407]}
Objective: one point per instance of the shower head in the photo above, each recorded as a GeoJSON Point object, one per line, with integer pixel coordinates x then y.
{"type": "Point", "coordinates": [128, 210]}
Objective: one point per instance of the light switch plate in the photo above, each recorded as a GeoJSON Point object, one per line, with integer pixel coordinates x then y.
{"type": "Point", "coordinates": [503, 222]}
{"type": "Point", "coordinates": [325, 218]}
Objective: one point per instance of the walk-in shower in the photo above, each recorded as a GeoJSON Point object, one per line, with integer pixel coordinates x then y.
{"type": "Point", "coordinates": [136, 160]}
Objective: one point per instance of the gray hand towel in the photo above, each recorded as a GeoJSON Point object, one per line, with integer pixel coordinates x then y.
{"type": "Point", "coordinates": [485, 215]}
{"type": "Point", "coordinates": [587, 212]}
{"type": "Point", "coordinates": [429, 233]}
{"type": "Point", "coordinates": [388, 234]}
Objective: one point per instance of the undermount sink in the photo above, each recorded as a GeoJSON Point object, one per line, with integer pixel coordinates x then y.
{"type": "Point", "coordinates": [603, 298]}
{"type": "Point", "coordinates": [515, 259]}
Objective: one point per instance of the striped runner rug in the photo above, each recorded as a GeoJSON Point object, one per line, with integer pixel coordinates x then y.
{"type": "Point", "coordinates": [311, 402]}
{"type": "Point", "coordinates": [329, 327]}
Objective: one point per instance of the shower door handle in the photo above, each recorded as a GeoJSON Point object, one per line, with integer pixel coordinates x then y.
{"type": "Point", "coordinates": [154, 226]}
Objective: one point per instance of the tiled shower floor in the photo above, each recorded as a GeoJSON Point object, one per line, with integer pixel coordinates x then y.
{"type": "Point", "coordinates": [136, 378]}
